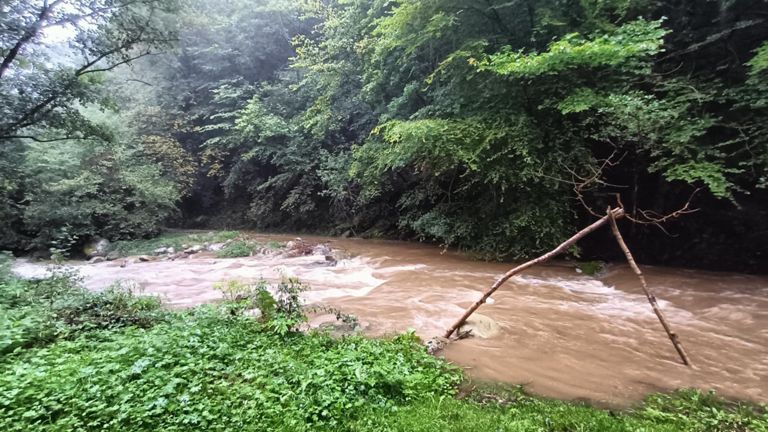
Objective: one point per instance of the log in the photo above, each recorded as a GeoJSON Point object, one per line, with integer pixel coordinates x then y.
{"type": "Point", "coordinates": [613, 214]}
{"type": "Point", "coordinates": [648, 294]}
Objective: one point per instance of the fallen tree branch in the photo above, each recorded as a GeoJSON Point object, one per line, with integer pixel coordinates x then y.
{"type": "Point", "coordinates": [648, 294]}
{"type": "Point", "coordinates": [613, 214]}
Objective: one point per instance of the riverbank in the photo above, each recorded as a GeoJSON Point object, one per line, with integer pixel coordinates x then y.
{"type": "Point", "coordinates": [114, 361]}
{"type": "Point", "coordinates": [563, 334]}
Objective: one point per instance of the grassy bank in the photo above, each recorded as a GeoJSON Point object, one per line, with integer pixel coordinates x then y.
{"type": "Point", "coordinates": [114, 361]}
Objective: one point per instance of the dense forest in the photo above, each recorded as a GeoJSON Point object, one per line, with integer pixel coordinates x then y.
{"type": "Point", "coordinates": [494, 126]}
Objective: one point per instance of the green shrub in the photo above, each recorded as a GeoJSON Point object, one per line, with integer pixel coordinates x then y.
{"type": "Point", "coordinates": [206, 370]}
{"type": "Point", "coordinates": [237, 249]}
{"type": "Point", "coordinates": [37, 312]}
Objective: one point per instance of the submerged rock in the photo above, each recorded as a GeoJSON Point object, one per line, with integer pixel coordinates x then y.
{"type": "Point", "coordinates": [481, 326]}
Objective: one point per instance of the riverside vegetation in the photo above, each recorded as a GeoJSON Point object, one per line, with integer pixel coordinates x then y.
{"type": "Point", "coordinates": [487, 126]}
{"type": "Point", "coordinates": [492, 126]}
{"type": "Point", "coordinates": [115, 360]}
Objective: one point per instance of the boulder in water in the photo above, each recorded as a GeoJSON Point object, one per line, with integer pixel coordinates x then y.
{"type": "Point", "coordinates": [96, 247]}
{"type": "Point", "coordinates": [96, 260]}
{"type": "Point", "coordinates": [481, 326]}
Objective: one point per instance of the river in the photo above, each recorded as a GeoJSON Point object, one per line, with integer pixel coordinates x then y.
{"type": "Point", "coordinates": [563, 334]}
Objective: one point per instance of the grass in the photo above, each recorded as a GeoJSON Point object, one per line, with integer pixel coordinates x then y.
{"type": "Point", "coordinates": [174, 240]}
{"type": "Point", "coordinates": [125, 365]}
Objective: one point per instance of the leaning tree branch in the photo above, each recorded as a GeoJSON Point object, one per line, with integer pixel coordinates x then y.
{"type": "Point", "coordinates": [648, 294]}
{"type": "Point", "coordinates": [615, 213]}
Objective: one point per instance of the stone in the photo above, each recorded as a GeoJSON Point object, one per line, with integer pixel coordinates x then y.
{"type": "Point", "coordinates": [321, 249]}
{"type": "Point", "coordinates": [481, 326]}
{"type": "Point", "coordinates": [160, 251]}
{"type": "Point", "coordinates": [170, 251]}
{"type": "Point", "coordinates": [331, 260]}
{"type": "Point", "coordinates": [215, 247]}
{"type": "Point", "coordinates": [96, 260]}
{"type": "Point", "coordinates": [147, 258]}
{"type": "Point", "coordinates": [436, 345]}
{"type": "Point", "coordinates": [96, 247]}
{"type": "Point", "coordinates": [113, 256]}
{"type": "Point", "coordinates": [194, 249]}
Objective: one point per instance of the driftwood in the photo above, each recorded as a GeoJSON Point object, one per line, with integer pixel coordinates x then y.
{"type": "Point", "coordinates": [615, 214]}
{"type": "Point", "coordinates": [610, 218]}
{"type": "Point", "coordinates": [651, 298]}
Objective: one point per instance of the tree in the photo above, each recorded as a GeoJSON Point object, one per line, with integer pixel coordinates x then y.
{"type": "Point", "coordinates": [42, 82]}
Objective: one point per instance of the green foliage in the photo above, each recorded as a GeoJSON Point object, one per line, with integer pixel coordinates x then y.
{"type": "Point", "coordinates": [210, 371]}
{"type": "Point", "coordinates": [630, 43]}
{"type": "Point", "coordinates": [238, 248]}
{"type": "Point", "coordinates": [38, 312]}
{"type": "Point", "coordinates": [514, 411]}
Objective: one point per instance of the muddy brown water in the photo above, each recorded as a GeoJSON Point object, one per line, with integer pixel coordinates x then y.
{"type": "Point", "coordinates": [564, 335]}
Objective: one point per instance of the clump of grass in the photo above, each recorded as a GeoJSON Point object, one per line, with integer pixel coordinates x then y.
{"type": "Point", "coordinates": [591, 268]}
{"type": "Point", "coordinates": [238, 248]}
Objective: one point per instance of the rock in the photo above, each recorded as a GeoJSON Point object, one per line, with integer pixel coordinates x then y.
{"type": "Point", "coordinates": [215, 247]}
{"type": "Point", "coordinates": [160, 251]}
{"type": "Point", "coordinates": [194, 249]}
{"type": "Point", "coordinates": [331, 260]}
{"type": "Point", "coordinates": [254, 313]}
{"type": "Point", "coordinates": [96, 247]}
{"type": "Point", "coordinates": [113, 256]}
{"type": "Point", "coordinates": [481, 326]}
{"type": "Point", "coordinates": [436, 345]}
{"type": "Point", "coordinates": [347, 234]}
{"type": "Point", "coordinates": [147, 258]}
{"type": "Point", "coordinates": [96, 260]}
{"type": "Point", "coordinates": [170, 251]}
{"type": "Point", "coordinates": [321, 249]}
{"type": "Point", "coordinates": [490, 301]}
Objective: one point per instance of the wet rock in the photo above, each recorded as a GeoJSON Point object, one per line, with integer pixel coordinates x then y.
{"type": "Point", "coordinates": [113, 256]}
{"type": "Point", "coordinates": [331, 260]}
{"type": "Point", "coordinates": [436, 345]}
{"type": "Point", "coordinates": [96, 247]}
{"type": "Point", "coordinates": [170, 251]}
{"type": "Point", "coordinates": [321, 249]}
{"type": "Point", "coordinates": [481, 326]}
{"type": "Point", "coordinates": [347, 234]}
{"type": "Point", "coordinates": [215, 247]}
{"type": "Point", "coordinates": [147, 258]}
{"type": "Point", "coordinates": [194, 249]}
{"type": "Point", "coordinates": [96, 260]}
{"type": "Point", "coordinates": [160, 251]}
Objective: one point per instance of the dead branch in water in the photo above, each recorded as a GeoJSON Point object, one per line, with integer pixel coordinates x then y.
{"type": "Point", "coordinates": [648, 294]}
{"type": "Point", "coordinates": [615, 213]}
{"type": "Point", "coordinates": [610, 219]}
